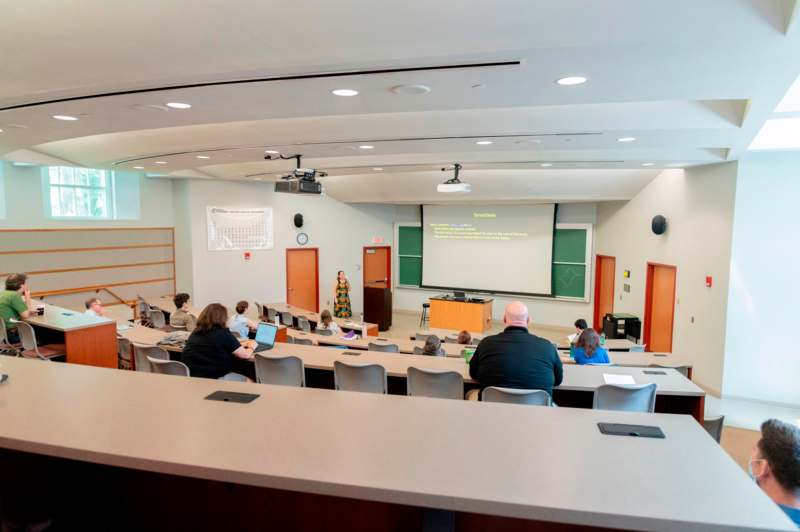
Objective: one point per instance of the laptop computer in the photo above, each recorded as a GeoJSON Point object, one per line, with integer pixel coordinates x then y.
{"type": "Point", "coordinates": [265, 336]}
{"type": "Point", "coordinates": [459, 296]}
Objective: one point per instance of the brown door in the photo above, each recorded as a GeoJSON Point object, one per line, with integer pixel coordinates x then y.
{"type": "Point", "coordinates": [377, 266]}
{"type": "Point", "coordinates": [659, 312]}
{"type": "Point", "coordinates": [603, 289]}
{"type": "Point", "coordinates": [302, 278]}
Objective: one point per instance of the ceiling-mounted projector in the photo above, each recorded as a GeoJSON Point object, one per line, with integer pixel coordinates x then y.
{"type": "Point", "coordinates": [300, 180]}
{"type": "Point", "coordinates": [454, 185]}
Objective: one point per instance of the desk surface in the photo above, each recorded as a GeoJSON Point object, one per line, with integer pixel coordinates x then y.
{"type": "Point", "coordinates": [482, 301]}
{"type": "Point", "coordinates": [65, 320]}
{"type": "Point", "coordinates": [611, 344]}
{"type": "Point", "coordinates": [406, 346]}
{"type": "Point", "coordinates": [497, 459]}
{"type": "Point", "coordinates": [588, 378]}
{"type": "Point", "coordinates": [350, 323]}
{"type": "Point", "coordinates": [627, 358]}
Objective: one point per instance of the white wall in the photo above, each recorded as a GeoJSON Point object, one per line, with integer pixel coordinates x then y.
{"type": "Point", "coordinates": [339, 231]}
{"type": "Point", "coordinates": [698, 204]}
{"type": "Point", "coordinates": [762, 358]}
{"type": "Point", "coordinates": [25, 207]}
{"type": "Point", "coordinates": [546, 311]}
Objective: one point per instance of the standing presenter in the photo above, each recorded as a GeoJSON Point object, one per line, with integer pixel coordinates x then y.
{"type": "Point", "coordinates": [341, 308]}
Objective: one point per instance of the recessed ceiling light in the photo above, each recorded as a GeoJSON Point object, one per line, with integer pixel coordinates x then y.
{"type": "Point", "coordinates": [545, 165]}
{"type": "Point", "coordinates": [648, 164]}
{"type": "Point", "coordinates": [138, 167]}
{"type": "Point", "coordinates": [411, 89]}
{"type": "Point", "coordinates": [345, 92]}
{"type": "Point", "coordinates": [483, 142]}
{"type": "Point", "coordinates": [65, 117]}
{"type": "Point", "coordinates": [571, 80]}
{"type": "Point", "coordinates": [365, 147]}
{"type": "Point", "coordinates": [179, 105]}
{"type": "Point", "coordinates": [161, 162]}
{"type": "Point", "coordinates": [23, 164]}
{"type": "Point", "coordinates": [203, 157]}
{"type": "Point", "coordinates": [272, 152]}
{"type": "Point", "coordinates": [1, 130]}
{"type": "Point", "coordinates": [626, 139]}
{"type": "Point", "coordinates": [378, 169]}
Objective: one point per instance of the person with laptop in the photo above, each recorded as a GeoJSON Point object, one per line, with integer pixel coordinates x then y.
{"type": "Point", "coordinates": [515, 358]}
{"type": "Point", "coordinates": [213, 352]}
{"type": "Point", "coordinates": [241, 324]}
{"type": "Point", "coordinates": [775, 465]}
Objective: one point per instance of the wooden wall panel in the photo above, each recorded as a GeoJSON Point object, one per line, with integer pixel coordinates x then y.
{"type": "Point", "coordinates": [67, 266]}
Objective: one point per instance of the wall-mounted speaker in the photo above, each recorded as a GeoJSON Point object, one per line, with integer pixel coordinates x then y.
{"type": "Point", "coordinates": [659, 224]}
{"type": "Point", "coordinates": [298, 220]}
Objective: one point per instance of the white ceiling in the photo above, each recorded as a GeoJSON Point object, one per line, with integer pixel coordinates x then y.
{"type": "Point", "coordinates": [692, 81]}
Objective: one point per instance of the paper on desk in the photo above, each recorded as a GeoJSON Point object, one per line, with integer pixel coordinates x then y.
{"type": "Point", "coordinates": [613, 378]}
{"type": "Point", "coordinates": [572, 337]}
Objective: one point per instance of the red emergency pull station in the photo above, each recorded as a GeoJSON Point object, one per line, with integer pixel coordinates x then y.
{"type": "Point", "coordinates": [247, 257]}
{"type": "Point", "coordinates": [709, 281]}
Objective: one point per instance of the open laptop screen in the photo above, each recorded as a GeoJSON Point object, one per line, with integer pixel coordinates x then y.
{"type": "Point", "coordinates": [265, 333]}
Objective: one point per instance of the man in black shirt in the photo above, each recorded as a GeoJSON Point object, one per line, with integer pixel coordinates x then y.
{"type": "Point", "coordinates": [515, 358]}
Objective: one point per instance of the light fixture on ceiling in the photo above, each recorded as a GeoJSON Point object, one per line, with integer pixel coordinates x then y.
{"type": "Point", "coordinates": [648, 164]}
{"type": "Point", "coordinates": [546, 165]}
{"type": "Point", "coordinates": [483, 142]}
{"type": "Point", "coordinates": [571, 80]}
{"type": "Point", "coordinates": [626, 139]}
{"type": "Point", "coordinates": [66, 118]}
{"type": "Point", "coordinates": [366, 147]}
{"type": "Point", "coordinates": [179, 105]}
{"type": "Point", "coordinates": [1, 130]}
{"type": "Point", "coordinates": [454, 184]}
{"type": "Point", "coordinates": [23, 164]}
{"type": "Point", "coordinates": [138, 167]}
{"type": "Point", "coordinates": [410, 89]}
{"type": "Point", "coordinates": [345, 92]}
{"type": "Point", "coordinates": [377, 169]}
{"type": "Point", "coordinates": [161, 162]}
{"type": "Point", "coordinates": [203, 157]}
{"type": "Point", "coordinates": [272, 152]}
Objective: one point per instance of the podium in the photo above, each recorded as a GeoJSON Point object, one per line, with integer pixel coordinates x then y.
{"type": "Point", "coordinates": [471, 314]}
{"type": "Point", "coordinates": [378, 305]}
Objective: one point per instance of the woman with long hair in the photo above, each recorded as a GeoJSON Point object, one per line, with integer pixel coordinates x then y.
{"type": "Point", "coordinates": [341, 307]}
{"type": "Point", "coordinates": [588, 350]}
{"type": "Point", "coordinates": [213, 352]}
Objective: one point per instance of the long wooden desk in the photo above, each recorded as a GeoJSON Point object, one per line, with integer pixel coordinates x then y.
{"type": "Point", "coordinates": [89, 340]}
{"type": "Point", "coordinates": [468, 315]}
{"type": "Point", "coordinates": [367, 329]}
{"type": "Point", "coordinates": [612, 344]}
{"type": "Point", "coordinates": [148, 336]}
{"type": "Point", "coordinates": [406, 346]}
{"type": "Point", "coordinates": [642, 360]}
{"type": "Point", "coordinates": [302, 459]}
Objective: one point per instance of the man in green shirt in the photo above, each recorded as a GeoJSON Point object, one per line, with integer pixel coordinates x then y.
{"type": "Point", "coordinates": [15, 303]}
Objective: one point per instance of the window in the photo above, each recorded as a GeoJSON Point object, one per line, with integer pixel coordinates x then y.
{"type": "Point", "coordinates": [80, 192]}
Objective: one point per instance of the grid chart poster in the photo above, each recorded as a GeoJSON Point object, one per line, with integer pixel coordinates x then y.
{"type": "Point", "coordinates": [243, 228]}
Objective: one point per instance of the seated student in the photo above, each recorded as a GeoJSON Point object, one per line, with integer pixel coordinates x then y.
{"type": "Point", "coordinates": [94, 307]}
{"type": "Point", "coordinates": [326, 322]}
{"type": "Point", "coordinates": [433, 346]}
{"type": "Point", "coordinates": [515, 358]}
{"type": "Point", "coordinates": [587, 349]}
{"type": "Point", "coordinates": [464, 338]}
{"type": "Point", "coordinates": [15, 303]}
{"type": "Point", "coordinates": [580, 326]}
{"type": "Point", "coordinates": [181, 319]}
{"type": "Point", "coordinates": [241, 324]}
{"type": "Point", "coordinates": [213, 352]}
{"type": "Point", "coordinates": [775, 465]}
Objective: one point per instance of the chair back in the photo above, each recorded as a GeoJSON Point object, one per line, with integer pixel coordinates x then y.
{"type": "Point", "coordinates": [287, 319]}
{"type": "Point", "coordinates": [124, 353]}
{"type": "Point", "coordinates": [421, 337]}
{"type": "Point", "coordinates": [370, 378]}
{"type": "Point", "coordinates": [142, 308]}
{"type": "Point", "coordinates": [27, 337]}
{"type": "Point", "coordinates": [282, 370]}
{"type": "Point", "coordinates": [714, 426]}
{"type": "Point", "coordinates": [419, 351]}
{"type": "Point", "coordinates": [157, 318]}
{"type": "Point", "coordinates": [3, 333]}
{"type": "Point", "coordinates": [303, 341]}
{"type": "Point", "coordinates": [304, 324]}
{"type": "Point", "coordinates": [386, 348]}
{"type": "Point", "coordinates": [324, 332]}
{"type": "Point", "coordinates": [271, 313]}
{"type": "Point", "coordinates": [168, 367]}
{"type": "Point", "coordinates": [433, 383]}
{"type": "Point", "coordinates": [683, 370]}
{"type": "Point", "coordinates": [142, 352]}
{"type": "Point", "coordinates": [496, 394]}
{"type": "Point", "coordinates": [626, 397]}
{"type": "Point", "coordinates": [638, 348]}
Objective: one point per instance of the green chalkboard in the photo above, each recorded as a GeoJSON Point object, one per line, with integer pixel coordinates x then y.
{"type": "Point", "coordinates": [410, 240]}
{"type": "Point", "coordinates": [410, 270]}
{"type": "Point", "coordinates": [569, 280]}
{"type": "Point", "coordinates": [569, 245]}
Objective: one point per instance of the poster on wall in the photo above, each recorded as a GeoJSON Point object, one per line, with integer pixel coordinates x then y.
{"type": "Point", "coordinates": [244, 228]}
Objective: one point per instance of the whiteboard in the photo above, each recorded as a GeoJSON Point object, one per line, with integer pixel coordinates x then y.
{"type": "Point", "coordinates": [236, 228]}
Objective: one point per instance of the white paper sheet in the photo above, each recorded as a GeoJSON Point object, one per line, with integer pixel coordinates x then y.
{"type": "Point", "coordinates": [614, 378]}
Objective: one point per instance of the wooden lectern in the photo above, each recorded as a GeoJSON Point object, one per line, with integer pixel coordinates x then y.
{"type": "Point", "coordinates": [378, 305]}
